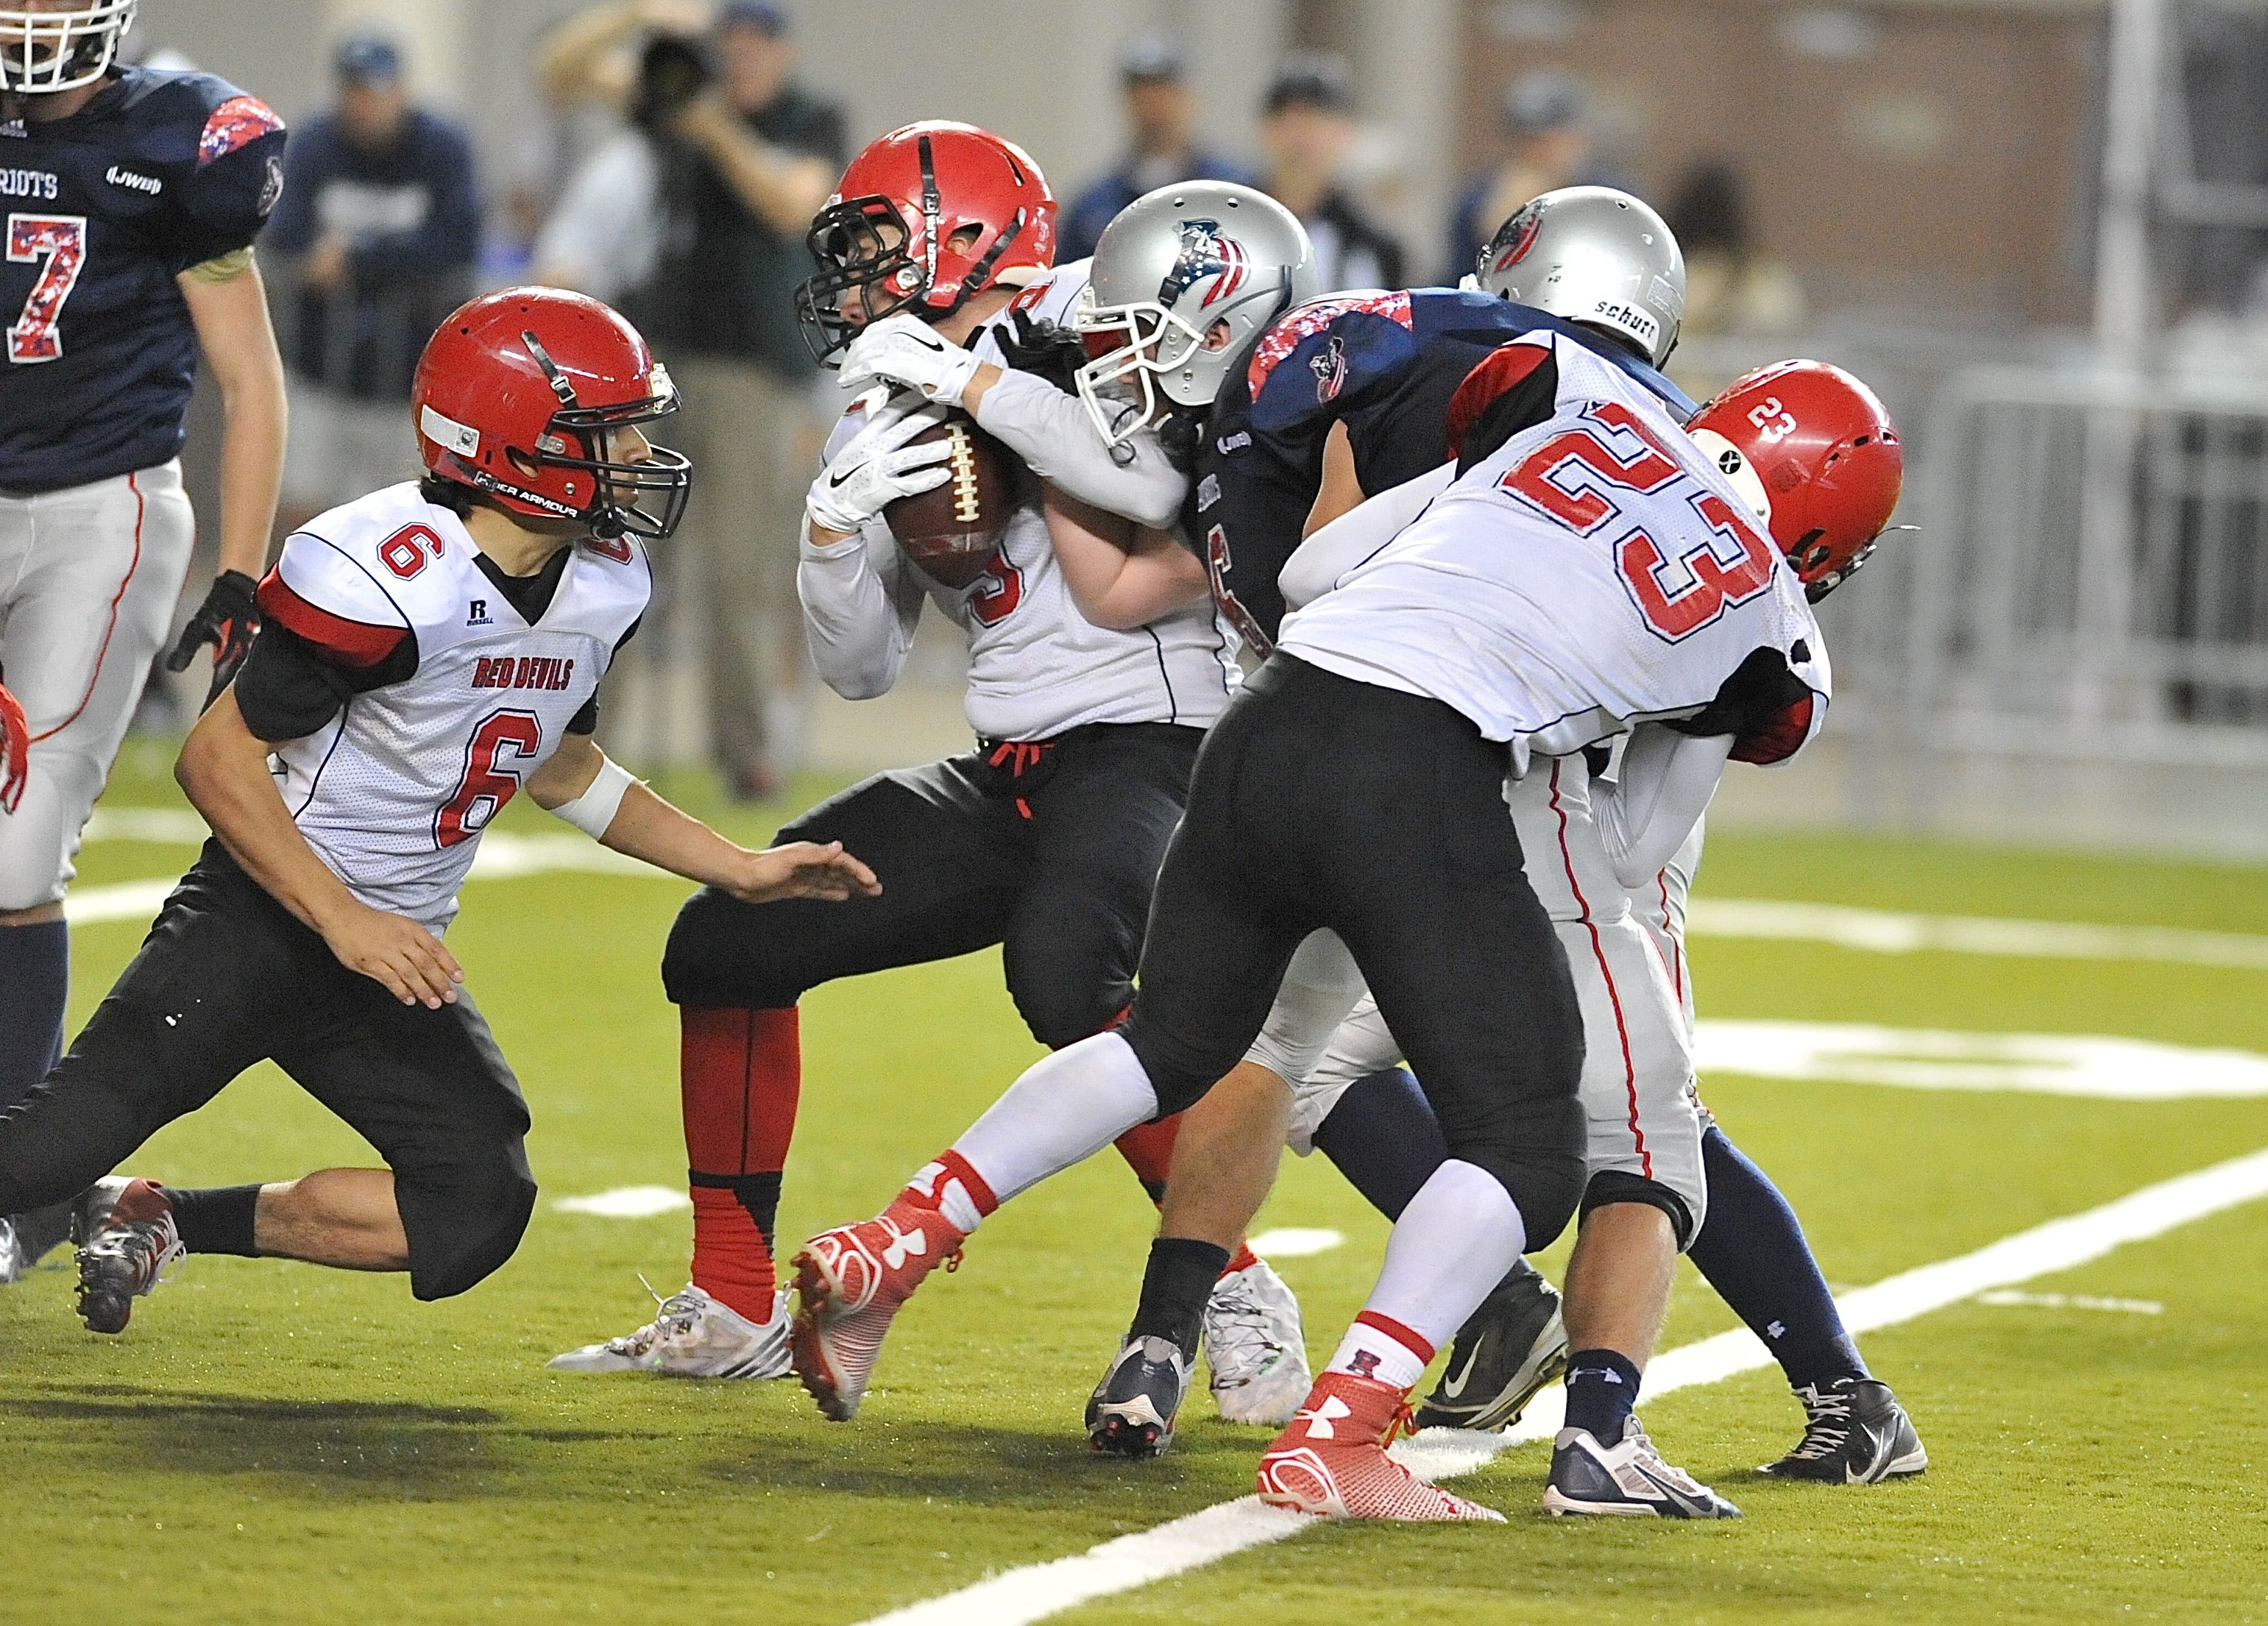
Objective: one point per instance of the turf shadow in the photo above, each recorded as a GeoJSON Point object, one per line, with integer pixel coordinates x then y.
{"type": "Point", "coordinates": [1001, 1467]}
{"type": "Point", "coordinates": [376, 1448]}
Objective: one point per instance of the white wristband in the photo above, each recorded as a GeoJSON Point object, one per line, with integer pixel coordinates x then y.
{"type": "Point", "coordinates": [594, 810]}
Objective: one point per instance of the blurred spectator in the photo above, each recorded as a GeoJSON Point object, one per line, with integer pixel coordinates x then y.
{"type": "Point", "coordinates": [742, 159]}
{"type": "Point", "coordinates": [1306, 134]}
{"type": "Point", "coordinates": [1545, 115]}
{"type": "Point", "coordinates": [604, 236]}
{"type": "Point", "coordinates": [586, 66]}
{"type": "Point", "coordinates": [381, 223]}
{"type": "Point", "coordinates": [1160, 111]}
{"type": "Point", "coordinates": [1731, 285]}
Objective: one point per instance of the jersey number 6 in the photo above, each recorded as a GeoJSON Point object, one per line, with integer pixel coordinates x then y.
{"type": "Point", "coordinates": [495, 758]}
{"type": "Point", "coordinates": [61, 241]}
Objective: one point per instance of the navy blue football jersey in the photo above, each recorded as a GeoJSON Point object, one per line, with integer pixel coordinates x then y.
{"type": "Point", "coordinates": [158, 172]}
{"type": "Point", "coordinates": [1386, 365]}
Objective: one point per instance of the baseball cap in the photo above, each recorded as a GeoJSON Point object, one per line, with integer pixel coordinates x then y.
{"type": "Point", "coordinates": [367, 59]}
{"type": "Point", "coordinates": [1151, 56]}
{"type": "Point", "coordinates": [1311, 79]}
{"type": "Point", "coordinates": [760, 15]}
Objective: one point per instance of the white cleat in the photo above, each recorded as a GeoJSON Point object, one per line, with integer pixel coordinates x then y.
{"type": "Point", "coordinates": [1626, 1479]}
{"type": "Point", "coordinates": [692, 1336]}
{"type": "Point", "coordinates": [1255, 1348]}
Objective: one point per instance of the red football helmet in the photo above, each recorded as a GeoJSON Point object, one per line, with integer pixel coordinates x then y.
{"type": "Point", "coordinates": [1822, 452]}
{"type": "Point", "coordinates": [927, 217]}
{"type": "Point", "coordinates": [516, 395]}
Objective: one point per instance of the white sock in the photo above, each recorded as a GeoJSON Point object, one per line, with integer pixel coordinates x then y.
{"type": "Point", "coordinates": [1063, 1111]}
{"type": "Point", "coordinates": [1452, 1245]}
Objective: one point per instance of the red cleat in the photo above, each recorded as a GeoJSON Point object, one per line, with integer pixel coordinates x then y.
{"type": "Point", "coordinates": [849, 1283]}
{"type": "Point", "coordinates": [1332, 1459]}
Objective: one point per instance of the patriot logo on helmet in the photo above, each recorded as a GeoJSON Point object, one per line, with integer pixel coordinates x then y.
{"type": "Point", "coordinates": [1514, 239]}
{"type": "Point", "coordinates": [1205, 253]}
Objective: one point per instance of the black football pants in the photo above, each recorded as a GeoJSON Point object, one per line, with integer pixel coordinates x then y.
{"type": "Point", "coordinates": [1317, 802]}
{"type": "Point", "coordinates": [226, 978]}
{"type": "Point", "coordinates": [1049, 851]}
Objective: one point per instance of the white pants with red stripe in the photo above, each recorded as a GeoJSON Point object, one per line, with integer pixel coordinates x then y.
{"type": "Point", "coordinates": [89, 578]}
{"type": "Point", "coordinates": [1639, 1092]}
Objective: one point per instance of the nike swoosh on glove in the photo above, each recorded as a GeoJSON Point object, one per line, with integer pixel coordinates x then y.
{"type": "Point", "coordinates": [15, 752]}
{"type": "Point", "coordinates": [228, 620]}
{"type": "Point", "coordinates": [876, 466]}
{"type": "Point", "coordinates": [903, 350]}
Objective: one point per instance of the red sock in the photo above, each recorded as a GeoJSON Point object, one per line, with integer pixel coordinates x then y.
{"type": "Point", "coordinates": [741, 1072]}
{"type": "Point", "coordinates": [1148, 1149]}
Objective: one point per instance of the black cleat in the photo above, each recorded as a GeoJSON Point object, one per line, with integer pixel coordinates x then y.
{"type": "Point", "coordinates": [1132, 1410]}
{"type": "Point", "coordinates": [1856, 1434]}
{"type": "Point", "coordinates": [127, 1242]}
{"type": "Point", "coordinates": [1512, 1346]}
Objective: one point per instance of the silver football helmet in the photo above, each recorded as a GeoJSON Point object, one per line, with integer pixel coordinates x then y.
{"type": "Point", "coordinates": [1592, 254]}
{"type": "Point", "coordinates": [42, 52]}
{"type": "Point", "coordinates": [1184, 279]}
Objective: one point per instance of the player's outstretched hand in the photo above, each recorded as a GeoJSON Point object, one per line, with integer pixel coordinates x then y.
{"type": "Point", "coordinates": [227, 620]}
{"type": "Point", "coordinates": [804, 870]}
{"type": "Point", "coordinates": [15, 752]}
{"type": "Point", "coordinates": [410, 960]}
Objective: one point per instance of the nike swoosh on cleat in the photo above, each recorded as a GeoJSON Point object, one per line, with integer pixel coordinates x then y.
{"type": "Point", "coordinates": [1452, 1385]}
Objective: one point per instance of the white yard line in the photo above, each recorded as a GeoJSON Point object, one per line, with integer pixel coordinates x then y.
{"type": "Point", "coordinates": [1887, 931]}
{"type": "Point", "coordinates": [1877, 931]}
{"type": "Point", "coordinates": [504, 855]}
{"type": "Point", "coordinates": [1035, 1591]}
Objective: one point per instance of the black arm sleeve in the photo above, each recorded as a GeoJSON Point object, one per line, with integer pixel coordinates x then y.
{"type": "Point", "coordinates": [1526, 404]}
{"type": "Point", "coordinates": [586, 720]}
{"type": "Point", "coordinates": [287, 689]}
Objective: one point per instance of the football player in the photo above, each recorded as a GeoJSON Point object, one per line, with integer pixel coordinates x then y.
{"type": "Point", "coordinates": [1336, 403]}
{"type": "Point", "coordinates": [1339, 397]}
{"type": "Point", "coordinates": [1096, 665]}
{"type": "Point", "coordinates": [1357, 783]}
{"type": "Point", "coordinates": [133, 196]}
{"type": "Point", "coordinates": [427, 652]}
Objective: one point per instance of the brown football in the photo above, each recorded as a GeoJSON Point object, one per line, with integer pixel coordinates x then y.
{"type": "Point", "coordinates": [953, 530]}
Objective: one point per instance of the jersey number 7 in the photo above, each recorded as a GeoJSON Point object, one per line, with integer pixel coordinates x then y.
{"type": "Point", "coordinates": [1571, 477]}
{"type": "Point", "coordinates": [61, 241]}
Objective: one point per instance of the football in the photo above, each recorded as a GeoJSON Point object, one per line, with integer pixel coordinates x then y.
{"type": "Point", "coordinates": [952, 531]}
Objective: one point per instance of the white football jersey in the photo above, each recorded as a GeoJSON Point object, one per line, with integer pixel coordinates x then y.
{"type": "Point", "coordinates": [393, 794]}
{"type": "Point", "coordinates": [1596, 571]}
{"type": "Point", "coordinates": [1036, 666]}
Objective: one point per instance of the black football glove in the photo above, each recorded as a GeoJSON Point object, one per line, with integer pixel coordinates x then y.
{"type": "Point", "coordinates": [1053, 351]}
{"type": "Point", "coordinates": [227, 620]}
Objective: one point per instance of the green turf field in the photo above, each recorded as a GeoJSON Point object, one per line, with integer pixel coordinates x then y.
{"type": "Point", "coordinates": [272, 1443]}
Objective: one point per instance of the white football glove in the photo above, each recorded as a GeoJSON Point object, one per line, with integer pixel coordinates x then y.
{"type": "Point", "coordinates": [876, 466]}
{"type": "Point", "coordinates": [903, 350]}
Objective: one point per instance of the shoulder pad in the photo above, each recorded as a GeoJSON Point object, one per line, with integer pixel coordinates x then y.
{"type": "Point", "coordinates": [321, 592]}
{"type": "Point", "coordinates": [1290, 331]}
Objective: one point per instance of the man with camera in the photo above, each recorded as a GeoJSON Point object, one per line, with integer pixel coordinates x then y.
{"type": "Point", "coordinates": [700, 231]}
